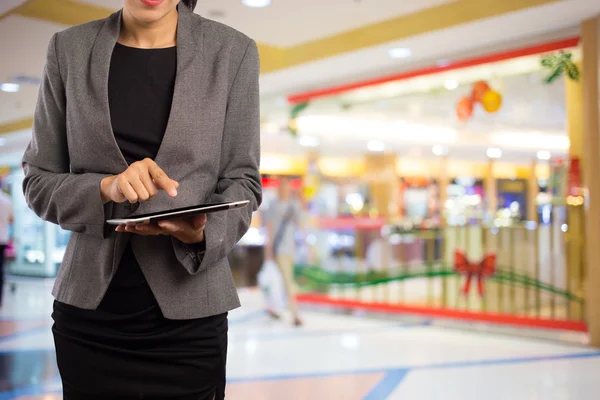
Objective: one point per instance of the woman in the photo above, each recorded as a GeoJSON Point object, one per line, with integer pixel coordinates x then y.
{"type": "Point", "coordinates": [150, 109]}
{"type": "Point", "coordinates": [282, 220]}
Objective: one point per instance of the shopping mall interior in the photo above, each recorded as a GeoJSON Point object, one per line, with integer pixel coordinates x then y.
{"type": "Point", "coordinates": [444, 155]}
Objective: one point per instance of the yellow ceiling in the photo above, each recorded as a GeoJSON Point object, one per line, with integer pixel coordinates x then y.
{"type": "Point", "coordinates": [17, 125]}
{"type": "Point", "coordinates": [70, 12]}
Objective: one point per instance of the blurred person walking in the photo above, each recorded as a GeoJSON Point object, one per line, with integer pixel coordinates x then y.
{"type": "Point", "coordinates": [6, 219]}
{"type": "Point", "coordinates": [282, 220]}
{"type": "Point", "coordinates": [153, 108]}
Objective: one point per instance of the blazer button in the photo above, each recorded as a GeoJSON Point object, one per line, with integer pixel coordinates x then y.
{"type": "Point", "coordinates": [132, 207]}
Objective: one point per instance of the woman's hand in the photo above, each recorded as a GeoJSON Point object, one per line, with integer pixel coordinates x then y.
{"type": "Point", "coordinates": [140, 182]}
{"type": "Point", "coordinates": [188, 230]}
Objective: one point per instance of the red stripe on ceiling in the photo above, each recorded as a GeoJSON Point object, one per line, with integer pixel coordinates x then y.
{"type": "Point", "coordinates": [487, 59]}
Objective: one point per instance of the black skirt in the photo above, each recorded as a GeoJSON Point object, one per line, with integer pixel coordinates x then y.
{"type": "Point", "coordinates": [104, 358]}
{"type": "Point", "coordinates": [127, 349]}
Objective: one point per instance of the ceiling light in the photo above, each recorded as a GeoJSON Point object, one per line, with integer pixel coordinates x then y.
{"type": "Point", "coordinates": [451, 84]}
{"type": "Point", "coordinates": [256, 3]}
{"type": "Point", "coordinates": [532, 141]}
{"type": "Point", "coordinates": [400, 52]}
{"type": "Point", "coordinates": [376, 146]}
{"type": "Point", "coordinates": [10, 87]}
{"type": "Point", "coordinates": [308, 141]}
{"type": "Point", "coordinates": [343, 127]}
{"type": "Point", "coordinates": [494, 152]}
{"type": "Point", "coordinates": [439, 150]}
{"type": "Point", "coordinates": [543, 155]}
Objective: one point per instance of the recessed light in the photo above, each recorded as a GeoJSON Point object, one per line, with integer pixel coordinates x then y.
{"type": "Point", "coordinates": [376, 146]}
{"type": "Point", "coordinates": [10, 87]}
{"type": "Point", "coordinates": [543, 155]}
{"type": "Point", "coordinates": [532, 141]}
{"type": "Point", "coordinates": [400, 52]}
{"type": "Point", "coordinates": [494, 152]}
{"type": "Point", "coordinates": [451, 84]}
{"type": "Point", "coordinates": [309, 141]}
{"type": "Point", "coordinates": [256, 3]}
{"type": "Point", "coordinates": [439, 150]}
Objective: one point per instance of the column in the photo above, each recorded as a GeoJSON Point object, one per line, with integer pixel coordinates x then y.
{"type": "Point", "coordinates": [382, 178]}
{"type": "Point", "coordinates": [380, 170]}
{"type": "Point", "coordinates": [491, 190]}
{"type": "Point", "coordinates": [445, 249]}
{"type": "Point", "coordinates": [444, 181]}
{"type": "Point", "coordinates": [575, 236]}
{"type": "Point", "coordinates": [591, 165]}
{"type": "Point", "coordinates": [532, 193]}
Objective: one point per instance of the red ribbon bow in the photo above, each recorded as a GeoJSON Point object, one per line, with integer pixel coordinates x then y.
{"type": "Point", "coordinates": [483, 269]}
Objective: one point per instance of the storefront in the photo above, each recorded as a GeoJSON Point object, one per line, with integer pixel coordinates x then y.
{"type": "Point", "coordinates": [465, 200]}
{"type": "Point", "coordinates": [512, 200]}
{"type": "Point", "coordinates": [39, 246]}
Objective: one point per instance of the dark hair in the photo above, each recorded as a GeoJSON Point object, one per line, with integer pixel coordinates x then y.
{"type": "Point", "coordinates": [191, 4]}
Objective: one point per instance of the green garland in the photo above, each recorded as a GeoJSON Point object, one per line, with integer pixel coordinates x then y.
{"type": "Point", "coordinates": [320, 277]}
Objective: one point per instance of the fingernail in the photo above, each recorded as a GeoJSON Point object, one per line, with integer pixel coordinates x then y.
{"type": "Point", "coordinates": [173, 192]}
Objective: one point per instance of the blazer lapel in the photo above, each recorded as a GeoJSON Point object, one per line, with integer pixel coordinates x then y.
{"type": "Point", "coordinates": [102, 51]}
{"type": "Point", "coordinates": [189, 68]}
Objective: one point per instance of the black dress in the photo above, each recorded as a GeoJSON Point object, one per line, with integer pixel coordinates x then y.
{"type": "Point", "coordinates": [127, 349]}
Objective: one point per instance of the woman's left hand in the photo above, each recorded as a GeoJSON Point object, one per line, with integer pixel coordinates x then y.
{"type": "Point", "coordinates": [188, 230]}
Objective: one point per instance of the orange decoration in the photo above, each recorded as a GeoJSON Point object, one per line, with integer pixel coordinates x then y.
{"type": "Point", "coordinates": [491, 101]}
{"type": "Point", "coordinates": [464, 108]}
{"type": "Point", "coordinates": [479, 89]}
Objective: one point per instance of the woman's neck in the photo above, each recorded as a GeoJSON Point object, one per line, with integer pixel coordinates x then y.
{"type": "Point", "coordinates": [157, 34]}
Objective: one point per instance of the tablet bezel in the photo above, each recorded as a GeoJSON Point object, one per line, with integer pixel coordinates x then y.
{"type": "Point", "coordinates": [152, 218]}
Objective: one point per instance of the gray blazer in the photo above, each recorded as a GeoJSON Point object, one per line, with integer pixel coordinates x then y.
{"type": "Point", "coordinates": [211, 146]}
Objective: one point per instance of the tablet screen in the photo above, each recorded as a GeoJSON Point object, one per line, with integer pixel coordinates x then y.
{"type": "Point", "coordinates": [177, 210]}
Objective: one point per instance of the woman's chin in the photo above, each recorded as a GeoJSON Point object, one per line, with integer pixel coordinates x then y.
{"type": "Point", "coordinates": [150, 11]}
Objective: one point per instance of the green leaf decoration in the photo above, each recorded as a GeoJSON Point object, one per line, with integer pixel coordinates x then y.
{"type": "Point", "coordinates": [556, 72]}
{"type": "Point", "coordinates": [557, 64]}
{"type": "Point", "coordinates": [294, 113]}
{"type": "Point", "coordinates": [293, 127]}
{"type": "Point", "coordinates": [547, 62]}
{"type": "Point", "coordinates": [572, 71]}
{"type": "Point", "coordinates": [297, 109]}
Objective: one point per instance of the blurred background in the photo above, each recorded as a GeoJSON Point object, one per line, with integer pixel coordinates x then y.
{"type": "Point", "coordinates": [445, 155]}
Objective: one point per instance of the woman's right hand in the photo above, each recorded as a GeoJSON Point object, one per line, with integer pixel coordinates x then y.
{"type": "Point", "coordinates": [140, 182]}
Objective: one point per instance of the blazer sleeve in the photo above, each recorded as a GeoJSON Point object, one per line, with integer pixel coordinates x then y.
{"type": "Point", "coordinates": [239, 175]}
{"type": "Point", "coordinates": [70, 200]}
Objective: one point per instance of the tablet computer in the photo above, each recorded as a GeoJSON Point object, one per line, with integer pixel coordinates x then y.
{"type": "Point", "coordinates": [178, 213]}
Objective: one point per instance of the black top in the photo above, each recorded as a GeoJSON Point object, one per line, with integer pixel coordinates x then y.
{"type": "Point", "coordinates": [140, 93]}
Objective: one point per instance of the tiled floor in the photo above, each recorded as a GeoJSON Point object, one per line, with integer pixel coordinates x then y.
{"type": "Point", "coordinates": [333, 357]}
